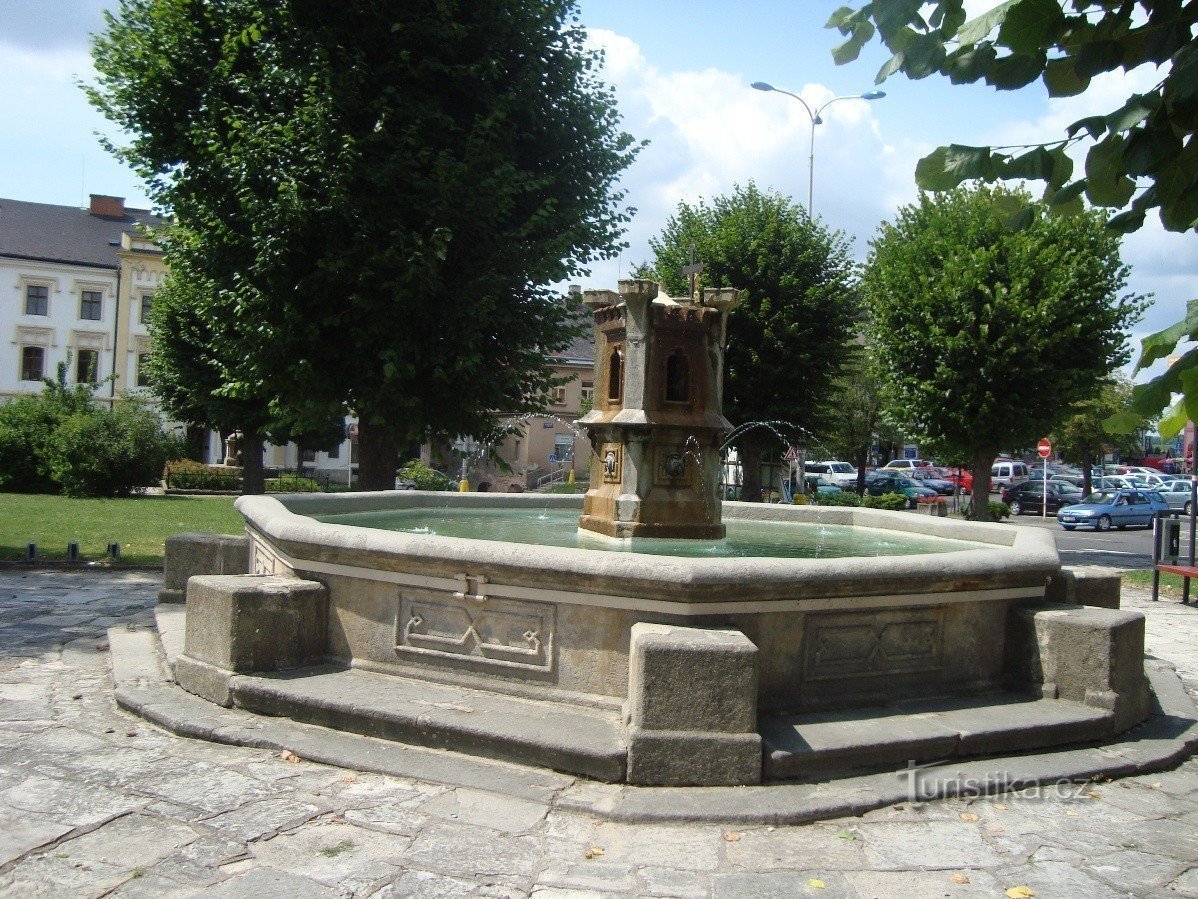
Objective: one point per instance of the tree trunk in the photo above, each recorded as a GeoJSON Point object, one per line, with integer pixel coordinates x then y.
{"type": "Point", "coordinates": [861, 461]}
{"type": "Point", "coordinates": [378, 457]}
{"type": "Point", "coordinates": [193, 442]}
{"type": "Point", "coordinates": [979, 502]}
{"type": "Point", "coordinates": [253, 477]}
{"type": "Point", "coordinates": [749, 450]}
{"type": "Point", "coordinates": [1087, 476]}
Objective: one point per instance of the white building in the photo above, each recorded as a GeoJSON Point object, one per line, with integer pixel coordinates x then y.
{"type": "Point", "coordinates": [76, 286]}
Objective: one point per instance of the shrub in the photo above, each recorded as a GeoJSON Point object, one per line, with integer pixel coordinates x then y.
{"type": "Point", "coordinates": [184, 474]}
{"type": "Point", "coordinates": [998, 511]}
{"type": "Point", "coordinates": [291, 483]}
{"type": "Point", "coordinates": [27, 426]}
{"type": "Point", "coordinates": [424, 477]}
{"type": "Point", "coordinates": [843, 498]}
{"type": "Point", "coordinates": [891, 501]}
{"type": "Point", "coordinates": [111, 452]}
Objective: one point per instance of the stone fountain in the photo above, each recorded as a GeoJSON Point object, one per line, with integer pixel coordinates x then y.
{"type": "Point", "coordinates": [411, 617]}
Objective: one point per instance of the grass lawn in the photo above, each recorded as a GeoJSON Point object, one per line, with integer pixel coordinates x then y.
{"type": "Point", "coordinates": [1170, 583]}
{"type": "Point", "coordinates": [140, 524]}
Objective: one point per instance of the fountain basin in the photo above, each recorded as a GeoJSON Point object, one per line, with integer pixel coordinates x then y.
{"type": "Point", "coordinates": [555, 623]}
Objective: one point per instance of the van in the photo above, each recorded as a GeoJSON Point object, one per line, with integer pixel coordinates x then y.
{"type": "Point", "coordinates": [1007, 474]}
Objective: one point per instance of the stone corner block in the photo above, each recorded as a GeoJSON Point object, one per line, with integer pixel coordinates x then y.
{"type": "Point", "coordinates": [1082, 654]}
{"type": "Point", "coordinates": [242, 623]}
{"type": "Point", "coordinates": [188, 555]}
{"type": "Point", "coordinates": [204, 680]}
{"type": "Point", "coordinates": [1085, 585]}
{"type": "Point", "coordinates": [692, 707]}
{"type": "Point", "coordinates": [673, 758]}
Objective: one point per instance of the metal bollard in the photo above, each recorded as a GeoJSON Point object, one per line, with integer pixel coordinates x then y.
{"type": "Point", "coordinates": [72, 552]}
{"type": "Point", "coordinates": [30, 552]}
{"type": "Point", "coordinates": [114, 551]}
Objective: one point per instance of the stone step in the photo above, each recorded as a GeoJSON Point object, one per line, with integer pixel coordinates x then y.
{"type": "Point", "coordinates": [553, 735]}
{"type": "Point", "coordinates": [814, 746]}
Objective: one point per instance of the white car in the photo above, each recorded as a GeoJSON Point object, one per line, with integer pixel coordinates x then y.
{"type": "Point", "coordinates": [906, 464]}
{"type": "Point", "coordinates": [842, 474]}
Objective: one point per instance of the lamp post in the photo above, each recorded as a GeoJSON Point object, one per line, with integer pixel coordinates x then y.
{"type": "Point", "coordinates": [814, 115]}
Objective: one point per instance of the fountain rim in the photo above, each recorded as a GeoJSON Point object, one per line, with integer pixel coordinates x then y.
{"type": "Point", "coordinates": [1013, 557]}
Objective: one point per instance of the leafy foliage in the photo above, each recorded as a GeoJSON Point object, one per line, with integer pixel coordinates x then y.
{"type": "Point", "coordinates": [790, 335]}
{"type": "Point", "coordinates": [374, 200]}
{"type": "Point", "coordinates": [1141, 155]}
{"type": "Point", "coordinates": [111, 452]}
{"type": "Point", "coordinates": [62, 441]}
{"type": "Point", "coordinates": [843, 498]}
{"type": "Point", "coordinates": [424, 477]}
{"type": "Point", "coordinates": [1086, 435]}
{"type": "Point", "coordinates": [894, 502]}
{"type": "Point", "coordinates": [988, 334]}
{"type": "Point", "coordinates": [290, 483]}
{"type": "Point", "coordinates": [187, 474]}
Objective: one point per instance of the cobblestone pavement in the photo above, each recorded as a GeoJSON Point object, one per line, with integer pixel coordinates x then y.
{"type": "Point", "coordinates": [96, 802]}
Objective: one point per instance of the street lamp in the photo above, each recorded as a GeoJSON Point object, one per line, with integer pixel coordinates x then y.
{"type": "Point", "coordinates": [814, 115]}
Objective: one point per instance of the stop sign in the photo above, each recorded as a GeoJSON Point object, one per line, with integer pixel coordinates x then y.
{"type": "Point", "coordinates": [1044, 448]}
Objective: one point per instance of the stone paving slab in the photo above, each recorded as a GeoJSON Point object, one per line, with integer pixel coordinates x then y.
{"type": "Point", "coordinates": [139, 811]}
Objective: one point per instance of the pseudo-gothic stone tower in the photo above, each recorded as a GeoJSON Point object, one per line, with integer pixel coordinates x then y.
{"type": "Point", "coordinates": [657, 420]}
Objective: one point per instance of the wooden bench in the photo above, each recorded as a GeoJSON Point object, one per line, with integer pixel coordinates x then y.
{"type": "Point", "coordinates": [1186, 571]}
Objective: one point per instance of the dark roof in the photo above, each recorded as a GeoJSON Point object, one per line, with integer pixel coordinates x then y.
{"type": "Point", "coordinates": [66, 233]}
{"type": "Point", "coordinates": [581, 349]}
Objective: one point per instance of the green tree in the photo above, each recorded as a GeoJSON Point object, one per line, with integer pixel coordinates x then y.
{"type": "Point", "coordinates": [1141, 155]}
{"type": "Point", "coordinates": [990, 335]}
{"type": "Point", "coordinates": [1085, 437]}
{"type": "Point", "coordinates": [383, 194]}
{"type": "Point", "coordinates": [860, 406]}
{"type": "Point", "coordinates": [790, 335]}
{"type": "Point", "coordinates": [190, 368]}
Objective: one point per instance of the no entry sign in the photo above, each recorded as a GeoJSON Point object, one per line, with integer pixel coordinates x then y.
{"type": "Point", "coordinates": [1044, 448]}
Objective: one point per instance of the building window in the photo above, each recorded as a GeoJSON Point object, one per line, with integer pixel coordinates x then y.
{"type": "Point", "coordinates": [37, 299]}
{"type": "Point", "coordinates": [90, 305]}
{"type": "Point", "coordinates": [588, 392]}
{"type": "Point", "coordinates": [87, 367]}
{"type": "Point", "coordinates": [33, 363]}
{"type": "Point", "coordinates": [147, 303]}
{"type": "Point", "coordinates": [308, 455]}
{"type": "Point", "coordinates": [334, 452]}
{"type": "Point", "coordinates": [559, 396]}
{"type": "Point", "coordinates": [143, 374]}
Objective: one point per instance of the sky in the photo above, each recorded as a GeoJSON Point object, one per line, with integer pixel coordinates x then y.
{"type": "Point", "coordinates": [682, 73]}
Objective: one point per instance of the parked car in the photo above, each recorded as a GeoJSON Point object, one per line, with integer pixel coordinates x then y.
{"type": "Point", "coordinates": [929, 477]}
{"type": "Point", "coordinates": [1177, 493]}
{"type": "Point", "coordinates": [1029, 496]}
{"type": "Point", "coordinates": [962, 477]}
{"type": "Point", "coordinates": [899, 483]}
{"type": "Point", "coordinates": [906, 464]}
{"type": "Point", "coordinates": [1005, 473]}
{"type": "Point", "coordinates": [1104, 508]}
{"type": "Point", "coordinates": [840, 473]}
{"type": "Point", "coordinates": [1114, 482]}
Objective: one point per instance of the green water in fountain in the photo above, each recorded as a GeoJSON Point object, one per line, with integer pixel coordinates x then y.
{"type": "Point", "coordinates": [782, 540]}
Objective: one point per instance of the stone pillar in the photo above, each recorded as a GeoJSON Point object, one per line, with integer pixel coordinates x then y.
{"type": "Point", "coordinates": [190, 554]}
{"type": "Point", "coordinates": [692, 707]}
{"type": "Point", "coordinates": [1085, 585]}
{"type": "Point", "coordinates": [1082, 654]}
{"type": "Point", "coordinates": [239, 624]}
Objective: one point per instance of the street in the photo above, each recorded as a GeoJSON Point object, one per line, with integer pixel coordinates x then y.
{"type": "Point", "coordinates": [1117, 549]}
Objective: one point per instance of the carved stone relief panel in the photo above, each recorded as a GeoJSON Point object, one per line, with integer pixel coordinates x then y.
{"type": "Point", "coordinates": [264, 561]}
{"type": "Point", "coordinates": [673, 467]}
{"type": "Point", "coordinates": [503, 633]}
{"type": "Point", "coordinates": [610, 457]}
{"type": "Point", "coordinates": [849, 644]}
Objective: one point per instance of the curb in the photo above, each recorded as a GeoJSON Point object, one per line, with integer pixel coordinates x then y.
{"type": "Point", "coordinates": [1165, 740]}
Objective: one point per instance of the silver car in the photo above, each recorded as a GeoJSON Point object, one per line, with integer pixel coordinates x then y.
{"type": "Point", "coordinates": [1178, 494]}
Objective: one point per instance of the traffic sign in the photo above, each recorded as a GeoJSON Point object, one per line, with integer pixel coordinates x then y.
{"type": "Point", "coordinates": [792, 454]}
{"type": "Point", "coordinates": [1044, 448]}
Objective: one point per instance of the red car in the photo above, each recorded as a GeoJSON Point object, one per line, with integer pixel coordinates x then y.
{"type": "Point", "coordinates": [962, 477]}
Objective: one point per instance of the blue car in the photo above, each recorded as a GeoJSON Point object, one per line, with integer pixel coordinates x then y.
{"type": "Point", "coordinates": [1104, 508]}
